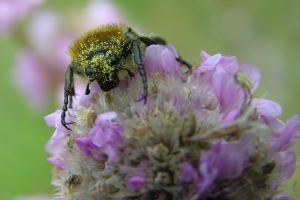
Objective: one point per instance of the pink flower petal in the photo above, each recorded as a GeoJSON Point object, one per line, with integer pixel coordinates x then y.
{"type": "Point", "coordinates": [209, 64]}
{"type": "Point", "coordinates": [288, 164]}
{"type": "Point", "coordinates": [229, 94]}
{"type": "Point", "coordinates": [32, 79]}
{"type": "Point", "coordinates": [52, 119]}
{"type": "Point", "coordinates": [284, 197]}
{"type": "Point", "coordinates": [188, 172]}
{"type": "Point", "coordinates": [267, 107]}
{"type": "Point", "coordinates": [136, 183]}
{"type": "Point", "coordinates": [204, 56]}
{"type": "Point", "coordinates": [56, 161]}
{"type": "Point", "coordinates": [108, 116]}
{"type": "Point", "coordinates": [112, 152]}
{"type": "Point", "coordinates": [231, 116]}
{"type": "Point", "coordinates": [85, 145]}
{"type": "Point", "coordinates": [101, 12]}
{"type": "Point", "coordinates": [288, 135]}
{"type": "Point", "coordinates": [253, 73]}
{"type": "Point", "coordinates": [160, 58]}
{"type": "Point", "coordinates": [12, 11]}
{"type": "Point", "coordinates": [56, 146]}
{"type": "Point", "coordinates": [86, 100]}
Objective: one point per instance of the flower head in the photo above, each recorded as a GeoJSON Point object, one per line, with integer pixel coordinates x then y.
{"type": "Point", "coordinates": [199, 136]}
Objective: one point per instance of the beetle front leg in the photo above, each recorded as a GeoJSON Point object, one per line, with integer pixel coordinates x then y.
{"type": "Point", "coordinates": [68, 91]}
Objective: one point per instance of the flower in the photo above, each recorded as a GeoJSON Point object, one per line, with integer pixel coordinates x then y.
{"type": "Point", "coordinates": [200, 135]}
{"type": "Point", "coordinates": [12, 11]}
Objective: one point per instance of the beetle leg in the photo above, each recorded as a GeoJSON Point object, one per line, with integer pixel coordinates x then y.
{"type": "Point", "coordinates": [71, 95]}
{"type": "Point", "coordinates": [147, 41]}
{"type": "Point", "coordinates": [138, 60]}
{"type": "Point", "coordinates": [187, 64]}
{"type": "Point", "coordinates": [68, 91]}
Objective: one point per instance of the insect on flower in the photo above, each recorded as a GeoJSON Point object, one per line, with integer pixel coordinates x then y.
{"type": "Point", "coordinates": [106, 55]}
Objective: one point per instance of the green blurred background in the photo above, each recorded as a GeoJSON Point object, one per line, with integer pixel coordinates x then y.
{"type": "Point", "coordinates": [263, 33]}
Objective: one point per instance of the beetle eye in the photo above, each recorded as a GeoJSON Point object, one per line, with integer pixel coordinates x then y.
{"type": "Point", "coordinates": [88, 71]}
{"type": "Point", "coordinates": [114, 60]}
{"type": "Point", "coordinates": [96, 53]}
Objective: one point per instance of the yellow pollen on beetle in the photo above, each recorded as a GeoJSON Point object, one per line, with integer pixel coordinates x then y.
{"type": "Point", "coordinates": [102, 66]}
